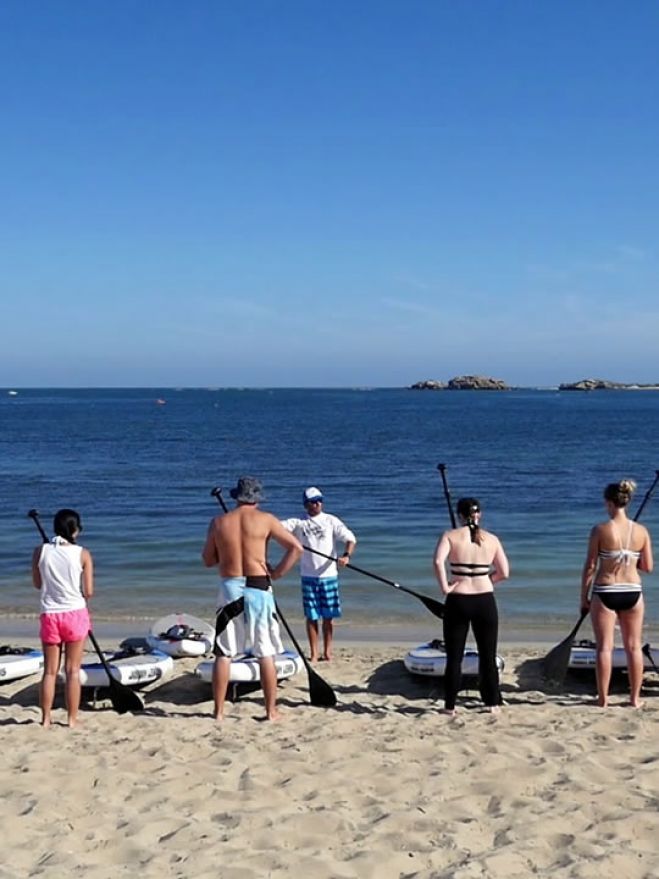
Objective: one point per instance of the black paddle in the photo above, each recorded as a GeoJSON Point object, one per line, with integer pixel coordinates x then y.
{"type": "Point", "coordinates": [122, 697]}
{"type": "Point", "coordinates": [435, 607]}
{"type": "Point", "coordinates": [321, 695]}
{"type": "Point", "coordinates": [555, 663]}
{"type": "Point", "coordinates": [645, 649]}
{"type": "Point", "coordinates": [447, 494]}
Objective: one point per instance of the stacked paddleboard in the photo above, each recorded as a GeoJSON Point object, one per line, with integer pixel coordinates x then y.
{"type": "Point", "coordinates": [584, 656]}
{"type": "Point", "coordinates": [180, 634]}
{"type": "Point", "coordinates": [19, 662]}
{"type": "Point", "coordinates": [134, 668]}
{"type": "Point", "coordinates": [429, 660]}
{"type": "Point", "coordinates": [245, 669]}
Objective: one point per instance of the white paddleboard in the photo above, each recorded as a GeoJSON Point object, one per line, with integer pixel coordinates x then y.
{"type": "Point", "coordinates": [430, 660]}
{"type": "Point", "coordinates": [131, 669]}
{"type": "Point", "coordinates": [245, 669]}
{"type": "Point", "coordinates": [180, 634]}
{"type": "Point", "coordinates": [583, 655]}
{"type": "Point", "coordinates": [19, 662]}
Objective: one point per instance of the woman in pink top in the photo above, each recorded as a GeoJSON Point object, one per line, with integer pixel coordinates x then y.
{"type": "Point", "coordinates": [64, 574]}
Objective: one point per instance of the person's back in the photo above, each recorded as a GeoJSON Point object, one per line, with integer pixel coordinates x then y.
{"type": "Point", "coordinates": [622, 551]}
{"type": "Point", "coordinates": [242, 537]}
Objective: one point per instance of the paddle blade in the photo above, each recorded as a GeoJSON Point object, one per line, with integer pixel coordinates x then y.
{"type": "Point", "coordinates": [123, 698]}
{"type": "Point", "coordinates": [321, 695]}
{"type": "Point", "coordinates": [556, 661]}
{"type": "Point", "coordinates": [435, 607]}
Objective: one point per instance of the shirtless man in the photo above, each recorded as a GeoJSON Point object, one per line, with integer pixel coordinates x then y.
{"type": "Point", "coordinates": [246, 619]}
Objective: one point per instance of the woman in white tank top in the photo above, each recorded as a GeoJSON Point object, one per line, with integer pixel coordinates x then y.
{"type": "Point", "coordinates": [63, 572]}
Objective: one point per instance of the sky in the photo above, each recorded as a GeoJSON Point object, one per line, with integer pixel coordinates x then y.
{"type": "Point", "coordinates": [328, 192]}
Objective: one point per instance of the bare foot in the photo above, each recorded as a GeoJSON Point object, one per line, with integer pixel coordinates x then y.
{"type": "Point", "coordinates": [636, 703]}
{"type": "Point", "coordinates": [313, 659]}
{"type": "Point", "coordinates": [218, 717]}
{"type": "Point", "coordinates": [45, 722]}
{"type": "Point", "coordinates": [325, 658]}
{"type": "Point", "coordinates": [493, 709]}
{"type": "Point", "coordinates": [449, 712]}
{"type": "Point", "coordinates": [274, 716]}
{"type": "Point", "coordinates": [74, 723]}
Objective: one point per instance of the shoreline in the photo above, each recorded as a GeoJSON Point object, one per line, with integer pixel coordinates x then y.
{"type": "Point", "coordinates": [24, 631]}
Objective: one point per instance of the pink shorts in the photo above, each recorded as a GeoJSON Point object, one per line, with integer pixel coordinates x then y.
{"type": "Point", "coordinates": [70, 625]}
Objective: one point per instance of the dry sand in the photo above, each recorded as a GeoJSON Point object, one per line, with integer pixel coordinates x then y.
{"type": "Point", "coordinates": [382, 786]}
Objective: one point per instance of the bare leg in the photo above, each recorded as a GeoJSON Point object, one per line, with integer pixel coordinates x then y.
{"type": "Point", "coordinates": [312, 635]}
{"type": "Point", "coordinates": [72, 658]}
{"type": "Point", "coordinates": [269, 684]}
{"type": "Point", "coordinates": [631, 627]}
{"type": "Point", "coordinates": [328, 635]}
{"type": "Point", "coordinates": [221, 672]}
{"type": "Point", "coordinates": [604, 627]}
{"type": "Point", "coordinates": [52, 654]}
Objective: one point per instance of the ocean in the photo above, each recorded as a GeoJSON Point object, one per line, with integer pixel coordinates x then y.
{"type": "Point", "coordinates": [140, 472]}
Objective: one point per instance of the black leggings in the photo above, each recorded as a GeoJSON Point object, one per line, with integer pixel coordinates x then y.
{"type": "Point", "coordinates": [481, 611]}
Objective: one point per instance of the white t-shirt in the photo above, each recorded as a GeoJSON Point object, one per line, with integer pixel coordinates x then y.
{"type": "Point", "coordinates": [60, 566]}
{"type": "Point", "coordinates": [324, 532]}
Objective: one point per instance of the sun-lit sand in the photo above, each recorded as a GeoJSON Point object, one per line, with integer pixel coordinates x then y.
{"type": "Point", "coordinates": [382, 786]}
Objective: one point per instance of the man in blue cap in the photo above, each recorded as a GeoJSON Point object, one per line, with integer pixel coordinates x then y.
{"type": "Point", "coordinates": [320, 581]}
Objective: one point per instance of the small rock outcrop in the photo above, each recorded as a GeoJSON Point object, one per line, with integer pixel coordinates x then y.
{"type": "Point", "coordinates": [476, 383]}
{"type": "Point", "coordinates": [595, 384]}
{"type": "Point", "coordinates": [430, 384]}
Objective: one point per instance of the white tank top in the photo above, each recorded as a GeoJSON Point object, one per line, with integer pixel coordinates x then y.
{"type": "Point", "coordinates": [60, 566]}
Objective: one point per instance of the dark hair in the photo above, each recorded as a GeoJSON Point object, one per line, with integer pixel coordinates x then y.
{"type": "Point", "coordinates": [466, 508]}
{"type": "Point", "coordinates": [66, 523]}
{"type": "Point", "coordinates": [620, 493]}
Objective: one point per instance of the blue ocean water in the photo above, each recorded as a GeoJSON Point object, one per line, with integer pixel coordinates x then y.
{"type": "Point", "coordinates": [141, 472]}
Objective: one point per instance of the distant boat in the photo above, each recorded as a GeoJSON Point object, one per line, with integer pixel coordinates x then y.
{"type": "Point", "coordinates": [160, 401]}
{"type": "Point", "coordinates": [13, 393]}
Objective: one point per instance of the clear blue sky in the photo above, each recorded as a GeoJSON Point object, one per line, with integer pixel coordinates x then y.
{"type": "Point", "coordinates": [328, 193]}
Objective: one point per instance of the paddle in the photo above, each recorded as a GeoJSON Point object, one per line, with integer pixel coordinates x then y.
{"type": "Point", "coordinates": [435, 607]}
{"type": "Point", "coordinates": [122, 697]}
{"type": "Point", "coordinates": [556, 661]}
{"type": "Point", "coordinates": [321, 695]}
{"type": "Point", "coordinates": [646, 652]}
{"type": "Point", "coordinates": [447, 494]}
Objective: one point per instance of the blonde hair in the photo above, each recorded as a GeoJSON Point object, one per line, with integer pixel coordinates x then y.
{"type": "Point", "coordinates": [620, 493]}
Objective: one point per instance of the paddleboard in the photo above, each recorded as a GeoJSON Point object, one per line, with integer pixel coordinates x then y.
{"type": "Point", "coordinates": [128, 667]}
{"type": "Point", "coordinates": [19, 662]}
{"type": "Point", "coordinates": [180, 634]}
{"type": "Point", "coordinates": [430, 660]}
{"type": "Point", "coordinates": [245, 669]}
{"type": "Point", "coordinates": [583, 655]}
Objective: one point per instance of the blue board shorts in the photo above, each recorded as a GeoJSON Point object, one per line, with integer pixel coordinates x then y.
{"type": "Point", "coordinates": [320, 598]}
{"type": "Point", "coordinates": [246, 621]}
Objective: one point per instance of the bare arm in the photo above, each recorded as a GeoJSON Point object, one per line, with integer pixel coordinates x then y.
{"type": "Point", "coordinates": [291, 545]}
{"type": "Point", "coordinates": [209, 553]}
{"type": "Point", "coordinates": [500, 563]}
{"type": "Point", "coordinates": [36, 573]}
{"type": "Point", "coordinates": [589, 568]}
{"type": "Point", "coordinates": [87, 574]}
{"type": "Point", "coordinates": [441, 554]}
{"type": "Point", "coordinates": [646, 562]}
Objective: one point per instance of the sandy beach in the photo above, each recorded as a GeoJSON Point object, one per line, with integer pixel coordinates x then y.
{"type": "Point", "coordinates": [381, 786]}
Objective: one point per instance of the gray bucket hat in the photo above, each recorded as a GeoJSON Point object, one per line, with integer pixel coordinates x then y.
{"type": "Point", "coordinates": [248, 491]}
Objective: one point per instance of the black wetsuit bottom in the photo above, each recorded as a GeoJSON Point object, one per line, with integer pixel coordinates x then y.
{"type": "Point", "coordinates": [479, 611]}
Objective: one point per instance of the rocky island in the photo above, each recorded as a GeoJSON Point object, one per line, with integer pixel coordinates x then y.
{"type": "Point", "coordinates": [462, 383]}
{"type": "Point", "coordinates": [599, 384]}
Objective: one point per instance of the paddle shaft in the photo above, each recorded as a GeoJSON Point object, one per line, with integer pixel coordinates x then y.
{"type": "Point", "coordinates": [435, 607]}
{"type": "Point", "coordinates": [447, 494]}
